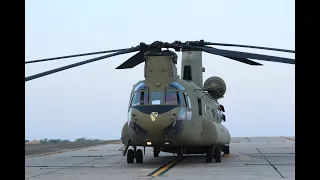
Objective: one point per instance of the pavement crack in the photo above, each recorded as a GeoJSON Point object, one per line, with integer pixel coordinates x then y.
{"type": "Point", "coordinates": [270, 163]}
{"type": "Point", "coordinates": [248, 139]}
{"type": "Point", "coordinates": [237, 151]}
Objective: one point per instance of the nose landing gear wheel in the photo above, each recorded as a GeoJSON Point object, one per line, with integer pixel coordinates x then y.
{"type": "Point", "coordinates": [130, 156]}
{"type": "Point", "coordinates": [139, 156]}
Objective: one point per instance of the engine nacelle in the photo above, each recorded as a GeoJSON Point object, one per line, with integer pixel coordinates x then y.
{"type": "Point", "coordinates": [215, 86]}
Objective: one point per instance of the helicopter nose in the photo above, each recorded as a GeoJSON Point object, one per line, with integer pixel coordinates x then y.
{"type": "Point", "coordinates": [155, 118]}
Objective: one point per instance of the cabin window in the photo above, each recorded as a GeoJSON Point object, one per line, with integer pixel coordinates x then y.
{"type": "Point", "coordinates": [200, 107]}
{"type": "Point", "coordinates": [156, 97]}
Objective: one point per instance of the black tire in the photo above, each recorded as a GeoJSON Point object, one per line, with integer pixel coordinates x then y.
{"type": "Point", "coordinates": [156, 153]}
{"type": "Point", "coordinates": [180, 154]}
{"type": "Point", "coordinates": [226, 150]}
{"type": "Point", "coordinates": [139, 156]}
{"type": "Point", "coordinates": [209, 154]}
{"type": "Point", "coordinates": [130, 156]}
{"type": "Point", "coordinates": [217, 154]}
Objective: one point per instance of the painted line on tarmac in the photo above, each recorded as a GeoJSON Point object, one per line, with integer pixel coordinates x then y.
{"type": "Point", "coordinates": [166, 167]}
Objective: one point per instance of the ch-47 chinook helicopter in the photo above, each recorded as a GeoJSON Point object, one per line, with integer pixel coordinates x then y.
{"type": "Point", "coordinates": [169, 113]}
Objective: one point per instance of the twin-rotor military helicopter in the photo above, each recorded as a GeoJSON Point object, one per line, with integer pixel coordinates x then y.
{"type": "Point", "coordinates": [175, 114]}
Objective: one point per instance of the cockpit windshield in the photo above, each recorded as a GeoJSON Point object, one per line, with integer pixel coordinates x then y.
{"type": "Point", "coordinates": [172, 98]}
{"type": "Point", "coordinates": [173, 94]}
{"type": "Point", "coordinates": [156, 97]}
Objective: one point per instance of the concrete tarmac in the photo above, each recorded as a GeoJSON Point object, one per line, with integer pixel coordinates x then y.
{"type": "Point", "coordinates": [250, 158]}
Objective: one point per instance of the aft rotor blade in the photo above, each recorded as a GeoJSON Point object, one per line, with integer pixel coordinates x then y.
{"type": "Point", "coordinates": [133, 61]}
{"type": "Point", "coordinates": [246, 46]}
{"type": "Point", "coordinates": [81, 63]}
{"type": "Point", "coordinates": [237, 54]}
{"type": "Point", "coordinates": [75, 55]}
{"type": "Point", "coordinates": [244, 60]}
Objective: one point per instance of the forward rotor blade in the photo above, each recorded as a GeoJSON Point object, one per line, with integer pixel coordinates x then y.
{"type": "Point", "coordinates": [254, 47]}
{"type": "Point", "coordinates": [75, 55]}
{"type": "Point", "coordinates": [125, 51]}
{"type": "Point", "coordinates": [133, 61]}
{"type": "Point", "coordinates": [237, 54]}
{"type": "Point", "coordinates": [244, 60]}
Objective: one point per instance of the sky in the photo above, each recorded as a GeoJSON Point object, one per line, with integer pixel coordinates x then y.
{"type": "Point", "coordinates": [91, 100]}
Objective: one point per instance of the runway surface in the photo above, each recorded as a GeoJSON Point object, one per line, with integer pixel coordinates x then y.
{"type": "Point", "coordinates": [251, 158]}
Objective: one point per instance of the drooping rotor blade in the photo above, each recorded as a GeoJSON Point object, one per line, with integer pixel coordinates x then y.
{"type": "Point", "coordinates": [133, 61]}
{"type": "Point", "coordinates": [125, 51]}
{"type": "Point", "coordinates": [244, 60]}
{"type": "Point", "coordinates": [75, 55]}
{"type": "Point", "coordinates": [237, 54]}
{"type": "Point", "coordinates": [246, 46]}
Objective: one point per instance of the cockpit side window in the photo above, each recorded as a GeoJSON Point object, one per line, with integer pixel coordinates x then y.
{"type": "Point", "coordinates": [140, 95]}
{"type": "Point", "coordinates": [187, 100]}
{"type": "Point", "coordinates": [144, 97]}
{"type": "Point", "coordinates": [136, 99]}
{"type": "Point", "coordinates": [140, 98]}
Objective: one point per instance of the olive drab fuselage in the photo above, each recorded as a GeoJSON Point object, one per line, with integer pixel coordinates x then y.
{"type": "Point", "coordinates": [170, 113]}
{"type": "Point", "coordinates": [167, 111]}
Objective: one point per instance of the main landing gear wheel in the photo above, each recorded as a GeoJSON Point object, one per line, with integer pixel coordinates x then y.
{"type": "Point", "coordinates": [217, 154]}
{"type": "Point", "coordinates": [156, 152]}
{"type": "Point", "coordinates": [226, 150]}
{"type": "Point", "coordinates": [179, 154]}
{"type": "Point", "coordinates": [139, 156]}
{"type": "Point", "coordinates": [130, 156]}
{"type": "Point", "coordinates": [209, 154]}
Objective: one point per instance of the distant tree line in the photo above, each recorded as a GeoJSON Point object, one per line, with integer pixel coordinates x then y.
{"type": "Point", "coordinates": [47, 141]}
